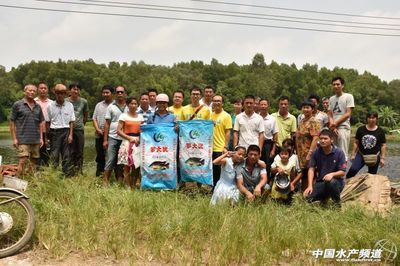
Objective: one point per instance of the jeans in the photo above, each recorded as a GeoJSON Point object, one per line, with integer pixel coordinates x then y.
{"type": "Point", "coordinates": [324, 190]}
{"type": "Point", "coordinates": [112, 153]}
{"type": "Point", "coordinates": [100, 155]}
{"type": "Point", "coordinates": [358, 163]}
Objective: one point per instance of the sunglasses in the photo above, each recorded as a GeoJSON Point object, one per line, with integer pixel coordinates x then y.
{"type": "Point", "coordinates": [119, 92]}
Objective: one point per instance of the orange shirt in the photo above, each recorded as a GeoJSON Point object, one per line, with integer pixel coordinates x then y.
{"type": "Point", "coordinates": [131, 124]}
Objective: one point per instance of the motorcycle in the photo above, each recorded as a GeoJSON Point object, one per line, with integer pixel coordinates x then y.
{"type": "Point", "coordinates": [17, 219]}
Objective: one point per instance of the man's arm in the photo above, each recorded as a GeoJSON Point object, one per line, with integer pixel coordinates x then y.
{"type": "Point", "coordinates": [261, 140]}
{"type": "Point", "coordinates": [105, 134]}
{"type": "Point", "coordinates": [13, 130]}
{"type": "Point", "coordinates": [330, 119]}
{"type": "Point", "coordinates": [343, 118]}
{"type": "Point", "coordinates": [337, 174]}
{"type": "Point", "coordinates": [47, 126]}
{"type": "Point", "coordinates": [85, 113]}
{"type": "Point", "coordinates": [70, 133]}
{"type": "Point", "coordinates": [85, 117]}
{"type": "Point", "coordinates": [261, 184]}
{"type": "Point", "coordinates": [235, 138]}
{"type": "Point", "coordinates": [227, 139]}
{"type": "Point", "coordinates": [96, 127]}
{"type": "Point", "coordinates": [41, 130]}
{"type": "Point", "coordinates": [293, 128]}
{"type": "Point", "coordinates": [309, 189]}
{"type": "Point", "coordinates": [236, 133]}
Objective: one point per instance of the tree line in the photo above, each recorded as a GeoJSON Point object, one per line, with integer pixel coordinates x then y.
{"type": "Point", "coordinates": [232, 81]}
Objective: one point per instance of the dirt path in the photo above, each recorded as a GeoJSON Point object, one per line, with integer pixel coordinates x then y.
{"type": "Point", "coordinates": [30, 258]}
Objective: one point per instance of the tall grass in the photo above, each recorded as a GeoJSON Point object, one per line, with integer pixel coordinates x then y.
{"type": "Point", "coordinates": [79, 214]}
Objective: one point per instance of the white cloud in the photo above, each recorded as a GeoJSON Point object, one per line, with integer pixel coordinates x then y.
{"type": "Point", "coordinates": [49, 36]}
{"type": "Point", "coordinates": [162, 39]}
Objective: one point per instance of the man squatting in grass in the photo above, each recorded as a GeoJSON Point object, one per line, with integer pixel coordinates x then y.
{"type": "Point", "coordinates": [251, 176]}
{"type": "Point", "coordinates": [328, 166]}
{"type": "Point", "coordinates": [26, 127]}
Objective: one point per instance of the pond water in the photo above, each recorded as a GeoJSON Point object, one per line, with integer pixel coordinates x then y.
{"type": "Point", "coordinates": [391, 169]}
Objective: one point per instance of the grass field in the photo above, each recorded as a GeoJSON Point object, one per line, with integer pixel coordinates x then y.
{"type": "Point", "coordinates": [80, 215]}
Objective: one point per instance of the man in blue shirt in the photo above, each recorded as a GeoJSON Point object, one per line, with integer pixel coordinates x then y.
{"type": "Point", "coordinates": [328, 165]}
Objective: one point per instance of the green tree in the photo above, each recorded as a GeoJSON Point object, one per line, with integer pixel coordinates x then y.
{"type": "Point", "coordinates": [388, 117]}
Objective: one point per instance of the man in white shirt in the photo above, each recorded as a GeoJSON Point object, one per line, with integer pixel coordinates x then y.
{"type": "Point", "coordinates": [341, 106]}
{"type": "Point", "coordinates": [270, 134]}
{"type": "Point", "coordinates": [99, 121]}
{"type": "Point", "coordinates": [152, 98]}
{"type": "Point", "coordinates": [208, 96]}
{"type": "Point", "coordinates": [59, 122]}
{"type": "Point", "coordinates": [249, 126]}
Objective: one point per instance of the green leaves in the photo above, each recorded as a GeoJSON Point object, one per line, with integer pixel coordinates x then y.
{"type": "Point", "coordinates": [266, 80]}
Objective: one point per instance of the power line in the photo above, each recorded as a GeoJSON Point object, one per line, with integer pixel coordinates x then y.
{"type": "Point", "coordinates": [241, 13]}
{"type": "Point", "coordinates": [297, 10]}
{"type": "Point", "coordinates": [197, 20]}
{"type": "Point", "coordinates": [172, 9]}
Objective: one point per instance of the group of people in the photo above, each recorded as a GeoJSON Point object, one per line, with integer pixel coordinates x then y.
{"type": "Point", "coordinates": [255, 153]}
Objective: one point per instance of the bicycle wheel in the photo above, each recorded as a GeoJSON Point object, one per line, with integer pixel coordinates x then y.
{"type": "Point", "coordinates": [17, 222]}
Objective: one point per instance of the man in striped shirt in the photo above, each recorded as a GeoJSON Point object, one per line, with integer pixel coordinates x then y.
{"type": "Point", "coordinates": [26, 127]}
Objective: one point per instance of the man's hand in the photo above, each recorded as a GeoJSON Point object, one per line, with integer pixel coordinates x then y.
{"type": "Point", "coordinates": [105, 144]}
{"type": "Point", "coordinates": [15, 143]}
{"type": "Point", "coordinates": [328, 177]}
{"type": "Point", "coordinates": [308, 191]}
{"type": "Point", "coordinates": [70, 139]}
{"type": "Point", "coordinates": [250, 197]}
{"type": "Point", "coordinates": [99, 132]}
{"type": "Point", "coordinates": [257, 191]}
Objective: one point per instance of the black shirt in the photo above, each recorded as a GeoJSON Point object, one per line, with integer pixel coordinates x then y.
{"type": "Point", "coordinates": [370, 142]}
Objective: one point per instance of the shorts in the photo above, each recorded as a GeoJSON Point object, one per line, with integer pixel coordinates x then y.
{"type": "Point", "coordinates": [28, 150]}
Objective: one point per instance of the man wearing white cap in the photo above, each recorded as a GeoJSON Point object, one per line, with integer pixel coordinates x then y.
{"type": "Point", "coordinates": [161, 115]}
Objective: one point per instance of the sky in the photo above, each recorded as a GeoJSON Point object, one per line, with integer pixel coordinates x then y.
{"type": "Point", "coordinates": [27, 35]}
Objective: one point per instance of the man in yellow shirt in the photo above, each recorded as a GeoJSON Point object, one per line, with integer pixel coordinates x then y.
{"type": "Point", "coordinates": [195, 110]}
{"type": "Point", "coordinates": [221, 134]}
{"type": "Point", "coordinates": [177, 107]}
{"type": "Point", "coordinates": [287, 125]}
